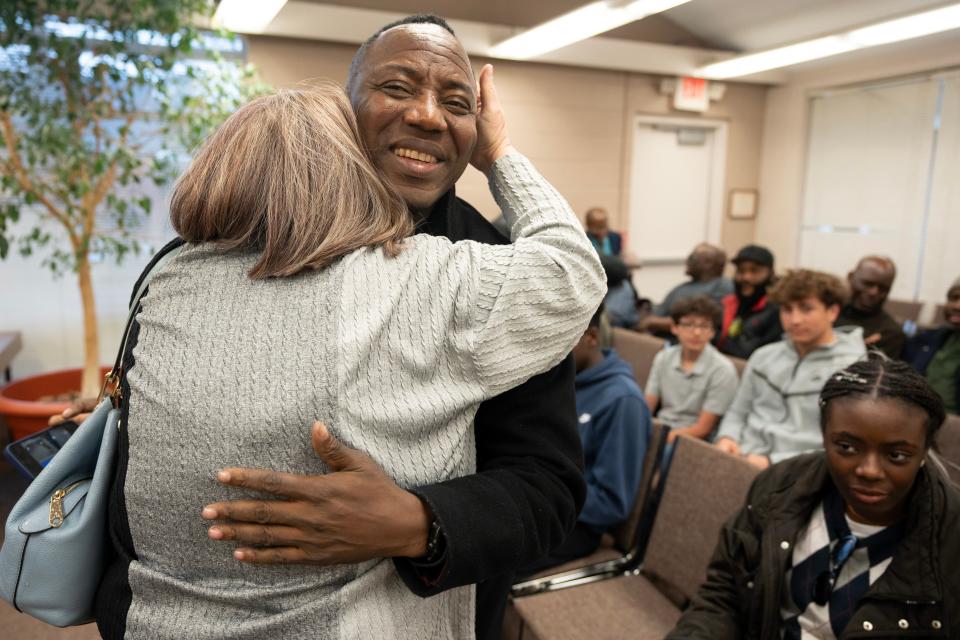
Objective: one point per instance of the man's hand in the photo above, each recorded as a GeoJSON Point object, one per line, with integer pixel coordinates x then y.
{"type": "Point", "coordinates": [78, 412]}
{"type": "Point", "coordinates": [492, 139]}
{"type": "Point", "coordinates": [728, 445]}
{"type": "Point", "coordinates": [354, 513]}
{"type": "Point", "coordinates": [872, 339]}
{"type": "Point", "coordinates": [656, 324]}
{"type": "Point", "coordinates": [760, 462]}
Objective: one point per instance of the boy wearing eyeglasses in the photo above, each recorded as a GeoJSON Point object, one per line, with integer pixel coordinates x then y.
{"type": "Point", "coordinates": [691, 384]}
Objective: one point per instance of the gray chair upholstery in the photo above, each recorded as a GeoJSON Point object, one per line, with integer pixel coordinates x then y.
{"type": "Point", "coordinates": [628, 607]}
{"type": "Point", "coordinates": [624, 538]}
{"type": "Point", "coordinates": [903, 310]}
{"type": "Point", "coordinates": [948, 442]}
{"type": "Point", "coordinates": [938, 314]}
{"type": "Point", "coordinates": [704, 487]}
{"type": "Point", "coordinates": [638, 349]}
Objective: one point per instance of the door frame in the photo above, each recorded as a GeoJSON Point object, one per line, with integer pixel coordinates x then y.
{"type": "Point", "coordinates": [718, 166]}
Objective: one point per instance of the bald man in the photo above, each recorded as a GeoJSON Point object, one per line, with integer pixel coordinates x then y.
{"type": "Point", "coordinates": [605, 241]}
{"type": "Point", "coordinates": [705, 266]}
{"type": "Point", "coordinates": [870, 284]}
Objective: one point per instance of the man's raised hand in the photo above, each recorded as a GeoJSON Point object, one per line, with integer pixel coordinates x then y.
{"type": "Point", "coordinates": [492, 139]}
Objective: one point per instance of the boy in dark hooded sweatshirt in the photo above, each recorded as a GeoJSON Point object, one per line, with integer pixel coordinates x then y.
{"type": "Point", "coordinates": [614, 428]}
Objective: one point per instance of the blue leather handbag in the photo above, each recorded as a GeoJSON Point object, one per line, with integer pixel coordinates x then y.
{"type": "Point", "coordinates": [55, 540]}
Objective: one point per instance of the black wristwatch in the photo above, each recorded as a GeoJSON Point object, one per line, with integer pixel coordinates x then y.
{"type": "Point", "coordinates": [436, 545]}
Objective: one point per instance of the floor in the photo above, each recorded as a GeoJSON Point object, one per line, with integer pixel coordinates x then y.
{"type": "Point", "coordinates": [15, 625]}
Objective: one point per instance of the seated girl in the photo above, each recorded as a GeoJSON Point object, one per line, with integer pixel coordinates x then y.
{"type": "Point", "coordinates": [859, 540]}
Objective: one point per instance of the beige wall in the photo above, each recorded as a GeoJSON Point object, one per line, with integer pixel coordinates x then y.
{"type": "Point", "coordinates": [784, 140]}
{"type": "Point", "coordinates": [571, 122]}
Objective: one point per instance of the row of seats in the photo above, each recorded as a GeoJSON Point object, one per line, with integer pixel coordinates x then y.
{"type": "Point", "coordinates": [647, 569]}
{"type": "Point", "coordinates": [638, 582]}
{"type": "Point", "coordinates": [640, 594]}
{"type": "Point", "coordinates": [903, 310]}
{"type": "Point", "coordinates": [639, 349]}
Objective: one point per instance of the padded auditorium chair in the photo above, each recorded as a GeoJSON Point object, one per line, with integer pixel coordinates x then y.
{"type": "Point", "coordinates": [639, 350]}
{"type": "Point", "coordinates": [948, 443]}
{"type": "Point", "coordinates": [620, 551]}
{"type": "Point", "coordinates": [903, 310]}
{"type": "Point", "coordinates": [937, 315]}
{"type": "Point", "coordinates": [702, 490]}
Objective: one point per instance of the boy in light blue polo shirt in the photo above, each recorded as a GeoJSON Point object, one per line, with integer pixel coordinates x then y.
{"type": "Point", "coordinates": [691, 383]}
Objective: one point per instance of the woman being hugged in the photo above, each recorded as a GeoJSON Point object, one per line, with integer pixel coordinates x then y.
{"type": "Point", "coordinates": [300, 295]}
{"type": "Point", "coordinates": [859, 540]}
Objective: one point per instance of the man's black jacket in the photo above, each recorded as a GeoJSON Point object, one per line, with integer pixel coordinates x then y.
{"type": "Point", "coordinates": [529, 485]}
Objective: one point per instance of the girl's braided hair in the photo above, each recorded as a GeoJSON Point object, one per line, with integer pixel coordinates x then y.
{"type": "Point", "coordinates": [880, 377]}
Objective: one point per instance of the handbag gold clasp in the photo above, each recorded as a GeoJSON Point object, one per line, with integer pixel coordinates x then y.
{"type": "Point", "coordinates": [56, 503]}
{"type": "Point", "coordinates": [110, 388]}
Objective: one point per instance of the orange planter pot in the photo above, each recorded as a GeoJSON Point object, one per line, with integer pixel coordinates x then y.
{"type": "Point", "coordinates": [19, 406]}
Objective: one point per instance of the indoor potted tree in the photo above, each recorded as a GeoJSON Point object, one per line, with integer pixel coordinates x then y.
{"type": "Point", "coordinates": [96, 98]}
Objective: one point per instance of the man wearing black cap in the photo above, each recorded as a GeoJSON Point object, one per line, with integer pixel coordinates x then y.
{"type": "Point", "coordinates": [750, 319]}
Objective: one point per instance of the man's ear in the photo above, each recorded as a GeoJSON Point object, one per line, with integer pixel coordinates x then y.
{"type": "Point", "coordinates": [593, 335]}
{"type": "Point", "coordinates": [833, 312]}
{"type": "Point", "coordinates": [850, 277]}
{"type": "Point", "coordinates": [673, 327]}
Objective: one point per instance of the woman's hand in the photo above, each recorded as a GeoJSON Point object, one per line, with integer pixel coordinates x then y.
{"type": "Point", "coordinates": [492, 140]}
{"type": "Point", "coordinates": [352, 514]}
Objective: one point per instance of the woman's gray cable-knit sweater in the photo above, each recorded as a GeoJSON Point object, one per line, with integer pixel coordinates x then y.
{"type": "Point", "coordinates": [394, 354]}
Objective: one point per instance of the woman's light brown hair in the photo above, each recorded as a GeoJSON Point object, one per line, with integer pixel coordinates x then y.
{"type": "Point", "coordinates": [286, 174]}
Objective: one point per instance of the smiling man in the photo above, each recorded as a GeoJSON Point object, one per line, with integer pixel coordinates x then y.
{"type": "Point", "coordinates": [422, 120]}
{"type": "Point", "coordinates": [870, 284]}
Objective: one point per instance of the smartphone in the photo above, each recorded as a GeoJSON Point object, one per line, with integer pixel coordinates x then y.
{"type": "Point", "coordinates": [31, 454]}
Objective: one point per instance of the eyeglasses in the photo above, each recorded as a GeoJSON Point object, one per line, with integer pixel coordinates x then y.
{"type": "Point", "coordinates": [692, 326]}
{"type": "Point", "coordinates": [823, 587]}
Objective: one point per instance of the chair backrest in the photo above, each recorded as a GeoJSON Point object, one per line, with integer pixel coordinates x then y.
{"type": "Point", "coordinates": [937, 315]}
{"type": "Point", "coordinates": [902, 310]}
{"type": "Point", "coordinates": [638, 349]}
{"type": "Point", "coordinates": [948, 442]}
{"type": "Point", "coordinates": [625, 535]}
{"type": "Point", "coordinates": [704, 487]}
{"type": "Point", "coordinates": [739, 364]}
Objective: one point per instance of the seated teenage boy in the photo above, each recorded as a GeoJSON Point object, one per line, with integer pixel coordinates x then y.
{"type": "Point", "coordinates": [614, 428]}
{"type": "Point", "coordinates": [774, 415]}
{"type": "Point", "coordinates": [692, 383]}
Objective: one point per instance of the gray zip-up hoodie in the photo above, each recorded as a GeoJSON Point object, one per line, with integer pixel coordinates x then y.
{"type": "Point", "coordinates": [775, 412]}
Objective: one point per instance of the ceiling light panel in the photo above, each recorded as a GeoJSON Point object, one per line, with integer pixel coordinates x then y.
{"type": "Point", "coordinates": [580, 24]}
{"type": "Point", "coordinates": [906, 28]}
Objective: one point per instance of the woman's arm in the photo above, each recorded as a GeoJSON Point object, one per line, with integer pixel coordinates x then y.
{"type": "Point", "coordinates": [520, 308]}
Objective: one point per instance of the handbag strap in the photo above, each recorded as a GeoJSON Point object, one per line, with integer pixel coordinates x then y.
{"type": "Point", "coordinates": [162, 257]}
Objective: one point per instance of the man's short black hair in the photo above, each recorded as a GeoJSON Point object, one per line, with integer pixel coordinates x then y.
{"type": "Point", "coordinates": [595, 320]}
{"type": "Point", "coordinates": [418, 18]}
